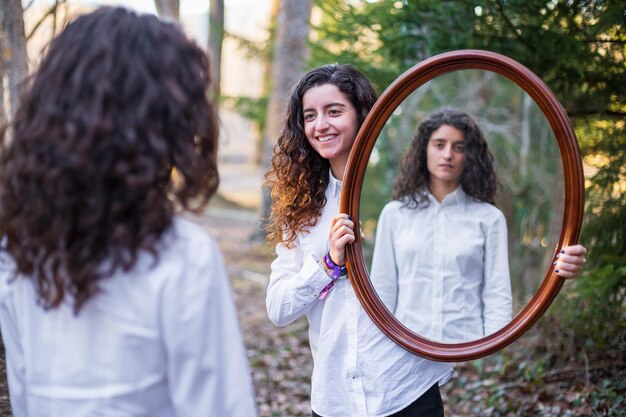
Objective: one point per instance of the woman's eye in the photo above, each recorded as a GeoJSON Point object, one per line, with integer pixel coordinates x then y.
{"type": "Point", "coordinates": [308, 116]}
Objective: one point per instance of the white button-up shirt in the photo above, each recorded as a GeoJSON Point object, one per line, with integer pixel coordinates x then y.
{"type": "Point", "coordinates": [162, 340]}
{"type": "Point", "coordinates": [443, 269]}
{"type": "Point", "coordinates": [358, 371]}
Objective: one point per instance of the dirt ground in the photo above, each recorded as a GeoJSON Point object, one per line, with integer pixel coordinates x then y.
{"type": "Point", "coordinates": [281, 365]}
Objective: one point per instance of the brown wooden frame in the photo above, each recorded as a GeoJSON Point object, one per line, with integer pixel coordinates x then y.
{"type": "Point", "coordinates": [355, 173]}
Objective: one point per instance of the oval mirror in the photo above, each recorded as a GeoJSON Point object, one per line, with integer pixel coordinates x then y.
{"type": "Point", "coordinates": [539, 169]}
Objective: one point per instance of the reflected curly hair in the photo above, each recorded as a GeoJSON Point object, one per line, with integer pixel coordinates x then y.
{"type": "Point", "coordinates": [478, 178]}
{"type": "Point", "coordinates": [114, 133]}
{"type": "Point", "coordinates": [299, 175]}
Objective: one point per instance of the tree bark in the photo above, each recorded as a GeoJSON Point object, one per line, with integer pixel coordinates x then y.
{"type": "Point", "coordinates": [290, 54]}
{"type": "Point", "coordinates": [167, 9]}
{"type": "Point", "coordinates": [216, 39]}
{"type": "Point", "coordinates": [13, 57]}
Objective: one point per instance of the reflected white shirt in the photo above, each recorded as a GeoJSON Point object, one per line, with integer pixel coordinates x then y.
{"type": "Point", "coordinates": [443, 269]}
{"type": "Point", "coordinates": [159, 341]}
{"type": "Point", "coordinates": [358, 371]}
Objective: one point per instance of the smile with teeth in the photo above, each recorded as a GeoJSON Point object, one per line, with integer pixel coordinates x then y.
{"type": "Point", "coordinates": [326, 138]}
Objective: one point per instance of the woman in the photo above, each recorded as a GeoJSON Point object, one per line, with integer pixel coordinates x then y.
{"type": "Point", "coordinates": [110, 303]}
{"type": "Point", "coordinates": [358, 371]}
{"type": "Point", "coordinates": [440, 260]}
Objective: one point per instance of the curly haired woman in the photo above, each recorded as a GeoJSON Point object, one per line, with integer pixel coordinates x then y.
{"type": "Point", "coordinates": [358, 371]}
{"type": "Point", "coordinates": [111, 303]}
{"type": "Point", "coordinates": [452, 284]}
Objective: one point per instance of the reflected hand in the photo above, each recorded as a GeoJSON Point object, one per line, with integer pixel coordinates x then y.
{"type": "Point", "coordinates": [570, 261]}
{"type": "Point", "coordinates": [341, 234]}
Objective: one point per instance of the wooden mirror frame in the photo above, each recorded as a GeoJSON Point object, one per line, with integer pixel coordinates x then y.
{"type": "Point", "coordinates": [404, 85]}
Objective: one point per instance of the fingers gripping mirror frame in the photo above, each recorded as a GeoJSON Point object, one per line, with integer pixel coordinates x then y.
{"type": "Point", "coordinates": [355, 173]}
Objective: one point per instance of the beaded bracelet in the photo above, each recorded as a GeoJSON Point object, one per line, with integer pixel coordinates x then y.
{"type": "Point", "coordinates": [332, 270]}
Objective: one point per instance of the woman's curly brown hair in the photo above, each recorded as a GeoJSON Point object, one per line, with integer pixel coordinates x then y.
{"type": "Point", "coordinates": [299, 175]}
{"type": "Point", "coordinates": [478, 178]}
{"type": "Point", "coordinates": [113, 134]}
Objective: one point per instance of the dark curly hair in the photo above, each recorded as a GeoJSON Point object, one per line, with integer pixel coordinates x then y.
{"type": "Point", "coordinates": [299, 175]}
{"type": "Point", "coordinates": [478, 178]}
{"type": "Point", "coordinates": [114, 133]}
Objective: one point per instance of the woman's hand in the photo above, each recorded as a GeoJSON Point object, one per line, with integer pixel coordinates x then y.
{"type": "Point", "coordinates": [570, 261]}
{"type": "Point", "coordinates": [341, 233]}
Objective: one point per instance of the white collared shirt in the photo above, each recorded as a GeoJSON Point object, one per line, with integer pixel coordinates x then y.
{"type": "Point", "coordinates": [159, 341]}
{"type": "Point", "coordinates": [358, 371]}
{"type": "Point", "coordinates": [443, 268]}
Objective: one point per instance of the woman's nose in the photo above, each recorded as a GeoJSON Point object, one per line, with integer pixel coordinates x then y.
{"type": "Point", "coordinates": [321, 123]}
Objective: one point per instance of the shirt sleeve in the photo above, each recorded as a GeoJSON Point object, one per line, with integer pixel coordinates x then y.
{"type": "Point", "coordinates": [207, 366]}
{"type": "Point", "coordinates": [497, 298]}
{"type": "Point", "coordinates": [384, 271]}
{"type": "Point", "coordinates": [14, 356]}
{"type": "Point", "coordinates": [296, 281]}
{"type": "Point", "coordinates": [15, 368]}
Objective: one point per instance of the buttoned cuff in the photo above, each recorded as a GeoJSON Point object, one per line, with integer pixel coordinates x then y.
{"type": "Point", "coordinates": [317, 277]}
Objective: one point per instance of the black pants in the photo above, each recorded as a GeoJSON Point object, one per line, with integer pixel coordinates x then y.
{"type": "Point", "coordinates": [429, 404]}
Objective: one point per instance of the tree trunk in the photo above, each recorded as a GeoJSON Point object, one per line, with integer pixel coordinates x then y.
{"type": "Point", "coordinates": [13, 57]}
{"type": "Point", "coordinates": [167, 9]}
{"type": "Point", "coordinates": [290, 53]}
{"type": "Point", "coordinates": [216, 38]}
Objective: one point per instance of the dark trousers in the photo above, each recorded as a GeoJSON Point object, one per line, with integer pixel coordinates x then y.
{"type": "Point", "coordinates": [429, 404]}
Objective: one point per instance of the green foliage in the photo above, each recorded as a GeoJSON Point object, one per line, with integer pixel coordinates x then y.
{"type": "Point", "coordinates": [506, 384]}
{"type": "Point", "coordinates": [253, 109]}
{"type": "Point", "coordinates": [345, 35]}
{"type": "Point", "coordinates": [577, 47]}
{"type": "Point", "coordinates": [595, 303]}
{"type": "Point", "coordinates": [610, 399]}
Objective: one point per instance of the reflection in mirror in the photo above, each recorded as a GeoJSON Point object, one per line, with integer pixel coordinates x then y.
{"type": "Point", "coordinates": [527, 163]}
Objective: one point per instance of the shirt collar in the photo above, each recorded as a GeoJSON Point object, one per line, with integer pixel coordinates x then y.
{"type": "Point", "coordinates": [334, 185]}
{"type": "Point", "coordinates": [456, 198]}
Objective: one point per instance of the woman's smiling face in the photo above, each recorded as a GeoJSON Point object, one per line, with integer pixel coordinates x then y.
{"type": "Point", "coordinates": [330, 124]}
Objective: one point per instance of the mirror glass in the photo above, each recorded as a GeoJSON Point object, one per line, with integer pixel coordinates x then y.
{"type": "Point", "coordinates": [529, 171]}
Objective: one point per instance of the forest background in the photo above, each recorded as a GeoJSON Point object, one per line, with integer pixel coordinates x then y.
{"type": "Point", "coordinates": [573, 361]}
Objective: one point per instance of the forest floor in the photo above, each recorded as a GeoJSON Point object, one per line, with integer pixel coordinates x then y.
{"type": "Point", "coordinates": [503, 384]}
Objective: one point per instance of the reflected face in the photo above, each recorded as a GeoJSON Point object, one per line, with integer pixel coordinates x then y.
{"type": "Point", "coordinates": [330, 124]}
{"type": "Point", "coordinates": [445, 156]}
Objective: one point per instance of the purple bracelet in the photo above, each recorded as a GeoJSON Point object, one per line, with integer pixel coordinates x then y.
{"type": "Point", "coordinates": [334, 271]}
